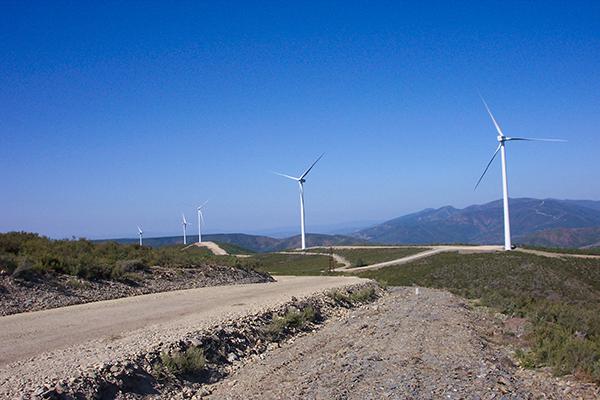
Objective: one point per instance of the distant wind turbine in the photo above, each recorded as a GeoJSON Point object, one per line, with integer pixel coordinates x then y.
{"type": "Point", "coordinates": [141, 233]}
{"type": "Point", "coordinates": [301, 181]}
{"type": "Point", "coordinates": [200, 221]}
{"type": "Point", "coordinates": [184, 224]}
{"type": "Point", "coordinates": [502, 149]}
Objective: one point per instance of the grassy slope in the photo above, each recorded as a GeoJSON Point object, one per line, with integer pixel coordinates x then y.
{"type": "Point", "coordinates": [234, 249]}
{"type": "Point", "coordinates": [290, 264]}
{"type": "Point", "coordinates": [591, 251]}
{"type": "Point", "coordinates": [560, 297]}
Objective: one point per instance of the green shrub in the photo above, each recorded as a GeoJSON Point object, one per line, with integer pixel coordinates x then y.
{"type": "Point", "coordinates": [182, 363]}
{"type": "Point", "coordinates": [363, 295]}
{"type": "Point", "coordinates": [8, 262]}
{"type": "Point", "coordinates": [131, 265]}
{"type": "Point", "coordinates": [292, 319]}
{"type": "Point", "coordinates": [359, 263]}
{"type": "Point", "coordinates": [25, 271]}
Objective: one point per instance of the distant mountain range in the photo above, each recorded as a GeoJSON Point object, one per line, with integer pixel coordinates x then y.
{"type": "Point", "coordinates": [254, 243]}
{"type": "Point", "coordinates": [549, 222]}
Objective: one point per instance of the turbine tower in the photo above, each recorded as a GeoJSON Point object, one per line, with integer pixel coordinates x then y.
{"type": "Point", "coordinates": [141, 233]}
{"type": "Point", "coordinates": [301, 181]}
{"type": "Point", "coordinates": [502, 140]}
{"type": "Point", "coordinates": [184, 224]}
{"type": "Point", "coordinates": [200, 221]}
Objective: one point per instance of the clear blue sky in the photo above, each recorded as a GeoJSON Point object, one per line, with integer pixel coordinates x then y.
{"type": "Point", "coordinates": [118, 114]}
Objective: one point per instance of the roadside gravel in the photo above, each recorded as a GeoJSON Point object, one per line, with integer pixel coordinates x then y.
{"type": "Point", "coordinates": [41, 347]}
{"type": "Point", "coordinates": [406, 346]}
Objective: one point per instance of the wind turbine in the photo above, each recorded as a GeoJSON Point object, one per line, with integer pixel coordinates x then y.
{"type": "Point", "coordinates": [184, 224]}
{"type": "Point", "coordinates": [200, 221]}
{"type": "Point", "coordinates": [141, 233]}
{"type": "Point", "coordinates": [301, 181]}
{"type": "Point", "coordinates": [502, 140]}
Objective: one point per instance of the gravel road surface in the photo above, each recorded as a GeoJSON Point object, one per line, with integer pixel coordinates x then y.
{"type": "Point", "coordinates": [407, 346]}
{"type": "Point", "coordinates": [58, 343]}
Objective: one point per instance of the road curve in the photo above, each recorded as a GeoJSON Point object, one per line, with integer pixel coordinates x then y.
{"type": "Point", "coordinates": [58, 342]}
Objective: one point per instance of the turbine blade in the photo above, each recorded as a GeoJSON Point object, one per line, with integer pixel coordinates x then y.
{"type": "Point", "coordinates": [286, 176]}
{"type": "Point", "coordinates": [139, 230]}
{"type": "Point", "coordinates": [488, 166]}
{"type": "Point", "coordinates": [203, 204]}
{"type": "Point", "coordinates": [536, 139]}
{"type": "Point", "coordinates": [492, 116]}
{"type": "Point", "coordinates": [184, 220]}
{"type": "Point", "coordinates": [201, 217]}
{"type": "Point", "coordinates": [311, 167]}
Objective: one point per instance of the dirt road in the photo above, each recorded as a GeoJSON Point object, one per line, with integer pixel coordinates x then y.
{"type": "Point", "coordinates": [212, 246]}
{"type": "Point", "coordinates": [408, 346]}
{"type": "Point", "coordinates": [58, 342]}
{"type": "Point", "coordinates": [432, 250]}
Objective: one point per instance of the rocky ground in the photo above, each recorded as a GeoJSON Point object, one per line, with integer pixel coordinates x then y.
{"type": "Point", "coordinates": [52, 291]}
{"type": "Point", "coordinates": [406, 346]}
{"type": "Point", "coordinates": [144, 373]}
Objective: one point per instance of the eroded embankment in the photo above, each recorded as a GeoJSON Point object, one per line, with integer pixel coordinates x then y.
{"type": "Point", "coordinates": [183, 368]}
{"type": "Point", "coordinates": [42, 292]}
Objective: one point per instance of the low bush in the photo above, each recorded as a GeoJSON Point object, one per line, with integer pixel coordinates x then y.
{"type": "Point", "coordinates": [362, 295]}
{"type": "Point", "coordinates": [292, 319]}
{"type": "Point", "coordinates": [182, 363]}
{"type": "Point", "coordinates": [25, 271]}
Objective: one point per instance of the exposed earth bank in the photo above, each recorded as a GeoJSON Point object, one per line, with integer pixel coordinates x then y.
{"type": "Point", "coordinates": [55, 290]}
{"type": "Point", "coordinates": [406, 346]}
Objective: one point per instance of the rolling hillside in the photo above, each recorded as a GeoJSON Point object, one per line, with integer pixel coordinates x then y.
{"type": "Point", "coordinates": [550, 222]}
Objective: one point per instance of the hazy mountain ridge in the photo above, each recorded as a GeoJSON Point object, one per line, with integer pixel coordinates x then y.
{"type": "Point", "coordinates": [256, 243]}
{"type": "Point", "coordinates": [484, 224]}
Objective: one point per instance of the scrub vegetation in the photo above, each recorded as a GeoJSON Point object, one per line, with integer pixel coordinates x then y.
{"type": "Point", "coordinates": [28, 256]}
{"type": "Point", "coordinates": [560, 297]}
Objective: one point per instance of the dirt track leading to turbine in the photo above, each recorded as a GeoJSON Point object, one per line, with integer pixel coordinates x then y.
{"type": "Point", "coordinates": [431, 251]}
{"type": "Point", "coordinates": [59, 342]}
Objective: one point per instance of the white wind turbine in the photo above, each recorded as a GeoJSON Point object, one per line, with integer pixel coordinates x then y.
{"type": "Point", "coordinates": [200, 221]}
{"type": "Point", "coordinates": [502, 140]}
{"type": "Point", "coordinates": [301, 181]}
{"type": "Point", "coordinates": [184, 224]}
{"type": "Point", "coordinates": [141, 233]}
